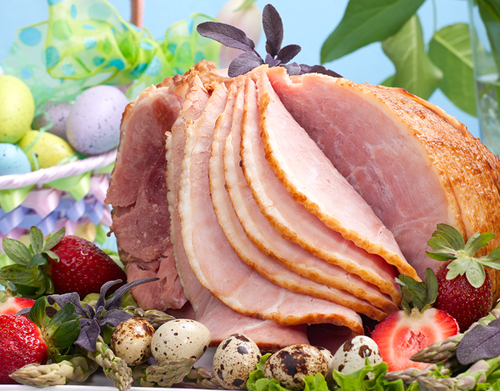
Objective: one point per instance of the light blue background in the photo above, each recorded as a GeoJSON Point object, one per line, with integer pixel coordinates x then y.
{"type": "Point", "coordinates": [307, 23]}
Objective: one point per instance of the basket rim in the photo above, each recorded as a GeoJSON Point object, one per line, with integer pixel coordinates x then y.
{"type": "Point", "coordinates": [46, 175]}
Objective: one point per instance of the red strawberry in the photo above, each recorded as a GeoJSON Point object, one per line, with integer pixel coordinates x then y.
{"type": "Point", "coordinates": [59, 264]}
{"type": "Point", "coordinates": [12, 305]}
{"type": "Point", "coordinates": [464, 288]}
{"type": "Point", "coordinates": [82, 267]}
{"type": "Point", "coordinates": [21, 344]}
{"type": "Point", "coordinates": [400, 336]}
{"type": "Point", "coordinates": [461, 300]}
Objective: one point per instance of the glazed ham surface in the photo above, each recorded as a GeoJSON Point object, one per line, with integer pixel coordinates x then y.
{"type": "Point", "coordinates": [270, 202]}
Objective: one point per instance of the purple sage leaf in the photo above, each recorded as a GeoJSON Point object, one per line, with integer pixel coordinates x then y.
{"type": "Point", "coordinates": [317, 69]}
{"type": "Point", "coordinates": [115, 317]}
{"type": "Point", "coordinates": [227, 35]}
{"type": "Point", "coordinates": [90, 330]}
{"type": "Point", "coordinates": [479, 343]}
{"type": "Point", "coordinates": [273, 29]}
{"type": "Point", "coordinates": [271, 61]}
{"type": "Point", "coordinates": [116, 300]}
{"type": "Point", "coordinates": [293, 68]}
{"type": "Point", "coordinates": [288, 52]}
{"type": "Point", "coordinates": [244, 63]}
{"type": "Point", "coordinates": [65, 298]}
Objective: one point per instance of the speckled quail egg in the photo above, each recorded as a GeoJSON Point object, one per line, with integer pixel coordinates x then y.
{"type": "Point", "coordinates": [234, 359]}
{"type": "Point", "coordinates": [131, 341]}
{"type": "Point", "coordinates": [180, 339]}
{"type": "Point", "coordinates": [292, 364]}
{"type": "Point", "coordinates": [329, 359]}
{"type": "Point", "coordinates": [351, 356]}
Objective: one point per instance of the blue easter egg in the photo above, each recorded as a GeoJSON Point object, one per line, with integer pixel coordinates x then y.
{"type": "Point", "coordinates": [13, 161]}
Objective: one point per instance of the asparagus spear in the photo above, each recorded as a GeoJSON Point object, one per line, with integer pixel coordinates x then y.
{"type": "Point", "coordinates": [114, 367]}
{"type": "Point", "coordinates": [162, 375]}
{"type": "Point", "coordinates": [76, 369]}
{"type": "Point", "coordinates": [201, 378]}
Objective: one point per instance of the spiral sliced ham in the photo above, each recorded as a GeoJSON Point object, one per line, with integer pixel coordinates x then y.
{"type": "Point", "coordinates": [213, 260]}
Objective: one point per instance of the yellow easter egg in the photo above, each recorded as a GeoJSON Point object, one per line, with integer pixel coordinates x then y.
{"type": "Point", "coordinates": [17, 108]}
{"type": "Point", "coordinates": [48, 150]}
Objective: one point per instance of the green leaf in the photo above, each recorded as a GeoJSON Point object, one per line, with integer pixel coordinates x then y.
{"type": "Point", "coordinates": [367, 21]}
{"type": "Point", "coordinates": [440, 257]}
{"type": "Point", "coordinates": [478, 241]}
{"type": "Point", "coordinates": [475, 274]}
{"type": "Point", "coordinates": [37, 311]}
{"type": "Point", "coordinates": [66, 334]}
{"type": "Point", "coordinates": [38, 260]}
{"type": "Point", "coordinates": [457, 268]}
{"type": "Point", "coordinates": [450, 50]}
{"type": "Point", "coordinates": [415, 72]}
{"type": "Point", "coordinates": [490, 14]}
{"type": "Point", "coordinates": [456, 239]}
{"type": "Point", "coordinates": [432, 285]}
{"type": "Point", "coordinates": [63, 315]}
{"type": "Point", "coordinates": [16, 251]}
{"type": "Point", "coordinates": [36, 239]}
{"type": "Point", "coordinates": [54, 238]}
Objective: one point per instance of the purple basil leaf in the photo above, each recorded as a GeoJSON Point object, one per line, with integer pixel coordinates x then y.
{"type": "Point", "coordinates": [271, 61]}
{"type": "Point", "coordinates": [273, 28]}
{"type": "Point", "coordinates": [24, 311]}
{"type": "Point", "coordinates": [288, 52]}
{"type": "Point", "coordinates": [116, 300]}
{"type": "Point", "coordinates": [65, 298]}
{"type": "Point", "coordinates": [293, 68]}
{"type": "Point", "coordinates": [90, 311]}
{"type": "Point", "coordinates": [227, 35]}
{"type": "Point", "coordinates": [115, 317]}
{"type": "Point", "coordinates": [151, 361]}
{"type": "Point", "coordinates": [479, 343]}
{"type": "Point", "coordinates": [88, 334]}
{"type": "Point", "coordinates": [104, 289]}
{"type": "Point", "coordinates": [244, 63]}
{"type": "Point", "coordinates": [317, 69]}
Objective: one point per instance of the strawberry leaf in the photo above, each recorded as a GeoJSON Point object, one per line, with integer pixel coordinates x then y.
{"type": "Point", "coordinates": [440, 257]}
{"type": "Point", "coordinates": [16, 251]}
{"type": "Point", "coordinates": [53, 239]}
{"type": "Point", "coordinates": [37, 260]}
{"type": "Point", "coordinates": [475, 274]}
{"type": "Point", "coordinates": [66, 334]}
{"type": "Point", "coordinates": [37, 311]}
{"type": "Point", "coordinates": [478, 241]}
{"type": "Point", "coordinates": [457, 268]}
{"type": "Point", "coordinates": [36, 239]}
{"type": "Point", "coordinates": [479, 343]}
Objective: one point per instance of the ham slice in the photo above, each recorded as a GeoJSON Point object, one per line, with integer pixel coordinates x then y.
{"type": "Point", "coordinates": [245, 219]}
{"type": "Point", "coordinates": [219, 319]}
{"type": "Point", "coordinates": [212, 259]}
{"type": "Point", "coordinates": [313, 181]}
{"type": "Point", "coordinates": [282, 210]}
{"type": "Point", "coordinates": [414, 165]}
{"type": "Point", "coordinates": [137, 192]}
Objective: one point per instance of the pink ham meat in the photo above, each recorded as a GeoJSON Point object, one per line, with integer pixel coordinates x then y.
{"type": "Point", "coordinates": [283, 211]}
{"type": "Point", "coordinates": [241, 219]}
{"type": "Point", "coordinates": [137, 192]}
{"type": "Point", "coordinates": [414, 164]}
{"type": "Point", "coordinates": [212, 259]}
{"type": "Point", "coordinates": [219, 319]}
{"type": "Point", "coordinates": [313, 181]}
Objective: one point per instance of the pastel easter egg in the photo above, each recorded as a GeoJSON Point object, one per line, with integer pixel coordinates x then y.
{"type": "Point", "coordinates": [13, 161]}
{"type": "Point", "coordinates": [48, 150]}
{"type": "Point", "coordinates": [17, 108]}
{"type": "Point", "coordinates": [55, 116]}
{"type": "Point", "coordinates": [93, 126]}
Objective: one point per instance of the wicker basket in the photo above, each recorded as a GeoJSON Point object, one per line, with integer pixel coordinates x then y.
{"type": "Point", "coordinates": [39, 199]}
